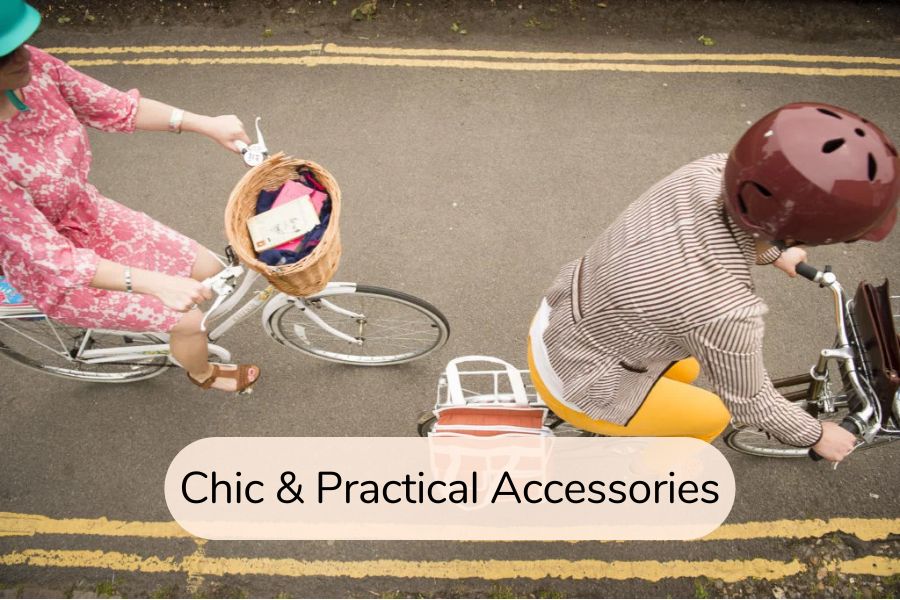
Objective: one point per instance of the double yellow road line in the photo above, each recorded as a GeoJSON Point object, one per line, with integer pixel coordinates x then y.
{"type": "Point", "coordinates": [491, 570]}
{"type": "Point", "coordinates": [329, 54]}
{"type": "Point", "coordinates": [198, 564]}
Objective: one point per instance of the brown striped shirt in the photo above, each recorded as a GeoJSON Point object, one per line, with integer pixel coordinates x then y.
{"type": "Point", "coordinates": [670, 278]}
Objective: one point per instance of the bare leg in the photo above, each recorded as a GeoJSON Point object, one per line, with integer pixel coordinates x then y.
{"type": "Point", "coordinates": [188, 343]}
{"type": "Point", "coordinates": [205, 265]}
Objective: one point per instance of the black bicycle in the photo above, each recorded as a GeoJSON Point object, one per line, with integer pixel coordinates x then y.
{"type": "Point", "coordinates": [856, 382]}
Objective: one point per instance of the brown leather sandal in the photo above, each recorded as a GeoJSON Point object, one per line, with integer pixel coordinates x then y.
{"type": "Point", "coordinates": [241, 374]}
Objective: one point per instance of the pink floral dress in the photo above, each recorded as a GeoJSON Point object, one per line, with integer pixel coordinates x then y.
{"type": "Point", "coordinates": [55, 226]}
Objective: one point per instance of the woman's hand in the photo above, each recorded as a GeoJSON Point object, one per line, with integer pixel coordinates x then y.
{"type": "Point", "coordinates": [836, 443]}
{"type": "Point", "coordinates": [225, 130]}
{"type": "Point", "coordinates": [180, 293]}
{"type": "Point", "coordinates": [789, 260]}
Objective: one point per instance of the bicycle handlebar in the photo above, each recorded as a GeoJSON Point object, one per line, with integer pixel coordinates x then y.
{"type": "Point", "coordinates": [807, 271]}
{"type": "Point", "coordinates": [847, 424]}
{"type": "Point", "coordinates": [827, 279]}
{"type": "Point", "coordinates": [253, 154]}
{"type": "Point", "coordinates": [223, 282]}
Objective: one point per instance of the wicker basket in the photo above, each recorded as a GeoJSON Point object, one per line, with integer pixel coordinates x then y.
{"type": "Point", "coordinates": [306, 276]}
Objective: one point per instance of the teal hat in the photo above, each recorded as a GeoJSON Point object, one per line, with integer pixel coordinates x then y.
{"type": "Point", "coordinates": [18, 21]}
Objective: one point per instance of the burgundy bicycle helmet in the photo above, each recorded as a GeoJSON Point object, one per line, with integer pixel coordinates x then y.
{"type": "Point", "coordinates": [814, 174]}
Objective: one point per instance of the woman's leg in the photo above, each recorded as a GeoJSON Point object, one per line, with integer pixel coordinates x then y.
{"type": "Point", "coordinates": [672, 408]}
{"type": "Point", "coordinates": [189, 344]}
{"type": "Point", "coordinates": [189, 347]}
{"type": "Point", "coordinates": [205, 265]}
{"type": "Point", "coordinates": [685, 371]}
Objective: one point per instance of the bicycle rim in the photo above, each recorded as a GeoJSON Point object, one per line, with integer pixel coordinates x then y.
{"type": "Point", "coordinates": [48, 346]}
{"type": "Point", "coordinates": [759, 443]}
{"type": "Point", "coordinates": [394, 327]}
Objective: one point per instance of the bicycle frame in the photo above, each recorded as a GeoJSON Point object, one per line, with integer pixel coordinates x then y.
{"type": "Point", "coordinates": [228, 299]}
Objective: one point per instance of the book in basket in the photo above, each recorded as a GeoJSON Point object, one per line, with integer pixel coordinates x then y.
{"type": "Point", "coordinates": [282, 223]}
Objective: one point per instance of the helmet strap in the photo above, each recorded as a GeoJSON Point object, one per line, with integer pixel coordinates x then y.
{"type": "Point", "coordinates": [20, 106]}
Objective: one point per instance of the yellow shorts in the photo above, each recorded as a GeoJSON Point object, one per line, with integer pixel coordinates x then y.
{"type": "Point", "coordinates": [673, 408]}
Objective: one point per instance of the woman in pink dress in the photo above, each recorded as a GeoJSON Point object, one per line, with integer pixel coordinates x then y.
{"type": "Point", "coordinates": [80, 257]}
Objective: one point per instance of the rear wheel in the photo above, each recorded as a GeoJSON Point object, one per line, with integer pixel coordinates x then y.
{"type": "Point", "coordinates": [50, 347]}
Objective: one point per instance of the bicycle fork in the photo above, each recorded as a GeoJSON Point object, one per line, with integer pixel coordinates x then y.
{"type": "Point", "coordinates": [306, 307]}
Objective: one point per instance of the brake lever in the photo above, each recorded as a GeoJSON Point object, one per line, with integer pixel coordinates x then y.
{"type": "Point", "coordinates": [254, 154]}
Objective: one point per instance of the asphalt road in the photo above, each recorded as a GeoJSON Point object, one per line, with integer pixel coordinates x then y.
{"type": "Point", "coordinates": [469, 187]}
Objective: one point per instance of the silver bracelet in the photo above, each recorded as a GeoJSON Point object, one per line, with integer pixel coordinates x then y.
{"type": "Point", "coordinates": [128, 287]}
{"type": "Point", "coordinates": [175, 120]}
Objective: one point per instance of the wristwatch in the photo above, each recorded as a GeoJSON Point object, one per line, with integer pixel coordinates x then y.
{"type": "Point", "coordinates": [175, 120]}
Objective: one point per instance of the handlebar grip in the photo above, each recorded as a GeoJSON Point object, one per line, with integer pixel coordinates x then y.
{"type": "Point", "coordinates": [807, 271]}
{"type": "Point", "coordinates": [848, 425]}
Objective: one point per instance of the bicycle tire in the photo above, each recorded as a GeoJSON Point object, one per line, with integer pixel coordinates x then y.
{"type": "Point", "coordinates": [18, 343]}
{"type": "Point", "coordinates": [289, 327]}
{"type": "Point", "coordinates": [756, 442]}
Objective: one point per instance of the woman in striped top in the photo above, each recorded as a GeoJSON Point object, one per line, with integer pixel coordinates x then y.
{"type": "Point", "coordinates": [623, 331]}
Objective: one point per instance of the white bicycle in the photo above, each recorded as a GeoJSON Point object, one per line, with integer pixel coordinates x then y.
{"type": "Point", "coordinates": [345, 323]}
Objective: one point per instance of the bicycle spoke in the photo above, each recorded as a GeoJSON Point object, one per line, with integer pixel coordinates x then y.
{"type": "Point", "coordinates": [391, 326]}
{"type": "Point", "coordinates": [45, 345]}
{"type": "Point", "coordinates": [21, 332]}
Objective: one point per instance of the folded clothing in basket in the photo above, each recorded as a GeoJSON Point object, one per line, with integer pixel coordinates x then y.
{"type": "Point", "coordinates": [298, 248]}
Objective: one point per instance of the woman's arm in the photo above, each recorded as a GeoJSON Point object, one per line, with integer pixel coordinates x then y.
{"type": "Point", "coordinates": [178, 293]}
{"type": "Point", "coordinates": [153, 115]}
{"type": "Point", "coordinates": [98, 105]}
{"type": "Point", "coordinates": [785, 259]}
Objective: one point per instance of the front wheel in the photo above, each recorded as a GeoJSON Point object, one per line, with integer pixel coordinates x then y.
{"type": "Point", "coordinates": [388, 327]}
{"type": "Point", "coordinates": [759, 443]}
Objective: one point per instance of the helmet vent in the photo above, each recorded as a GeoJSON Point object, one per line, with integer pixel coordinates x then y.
{"type": "Point", "coordinates": [832, 145]}
{"type": "Point", "coordinates": [859, 132]}
{"type": "Point", "coordinates": [763, 190]}
{"type": "Point", "coordinates": [873, 167]}
{"type": "Point", "coordinates": [825, 111]}
{"type": "Point", "coordinates": [742, 204]}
